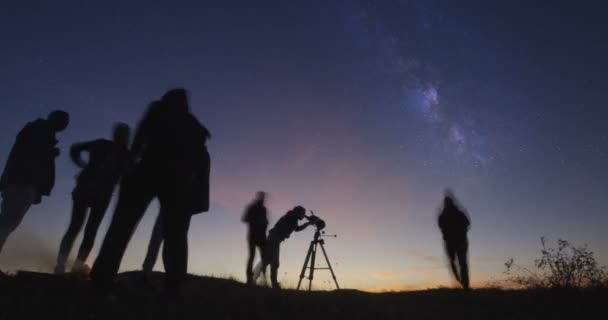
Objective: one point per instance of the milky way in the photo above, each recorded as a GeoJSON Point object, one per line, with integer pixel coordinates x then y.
{"type": "Point", "coordinates": [415, 78]}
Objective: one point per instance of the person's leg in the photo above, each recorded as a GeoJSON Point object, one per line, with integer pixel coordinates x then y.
{"type": "Point", "coordinates": [98, 210]}
{"type": "Point", "coordinates": [134, 197]}
{"type": "Point", "coordinates": [275, 263]}
{"type": "Point", "coordinates": [464, 265]}
{"type": "Point", "coordinates": [176, 222]}
{"type": "Point", "coordinates": [79, 211]}
{"type": "Point", "coordinates": [451, 253]}
{"type": "Point", "coordinates": [262, 248]}
{"type": "Point", "coordinates": [250, 257]}
{"type": "Point", "coordinates": [260, 268]}
{"type": "Point", "coordinates": [16, 201]}
{"type": "Point", "coordinates": [156, 240]}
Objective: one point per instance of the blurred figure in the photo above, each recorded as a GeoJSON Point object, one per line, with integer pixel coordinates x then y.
{"type": "Point", "coordinates": [256, 218]}
{"type": "Point", "coordinates": [454, 225]}
{"type": "Point", "coordinates": [108, 160]}
{"type": "Point", "coordinates": [281, 231]}
{"type": "Point", "coordinates": [173, 166]}
{"type": "Point", "coordinates": [29, 173]}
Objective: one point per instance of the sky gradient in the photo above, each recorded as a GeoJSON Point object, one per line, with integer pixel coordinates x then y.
{"type": "Point", "coordinates": [362, 111]}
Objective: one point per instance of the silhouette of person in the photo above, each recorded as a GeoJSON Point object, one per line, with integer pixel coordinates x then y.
{"type": "Point", "coordinates": [29, 173]}
{"type": "Point", "coordinates": [95, 184]}
{"type": "Point", "coordinates": [256, 218]}
{"type": "Point", "coordinates": [200, 203]}
{"type": "Point", "coordinates": [454, 225]}
{"type": "Point", "coordinates": [279, 233]}
{"type": "Point", "coordinates": [172, 165]}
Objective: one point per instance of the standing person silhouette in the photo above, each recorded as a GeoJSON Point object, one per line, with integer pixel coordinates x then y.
{"type": "Point", "coordinates": [108, 160]}
{"type": "Point", "coordinates": [29, 173]}
{"type": "Point", "coordinates": [454, 225]}
{"type": "Point", "coordinates": [256, 218]}
{"type": "Point", "coordinates": [172, 164]}
{"type": "Point", "coordinates": [197, 197]}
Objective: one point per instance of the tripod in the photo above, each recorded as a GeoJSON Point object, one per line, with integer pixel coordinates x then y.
{"type": "Point", "coordinates": [311, 256]}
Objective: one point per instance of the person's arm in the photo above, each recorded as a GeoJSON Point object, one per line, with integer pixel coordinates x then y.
{"type": "Point", "coordinates": [141, 135]}
{"type": "Point", "coordinates": [28, 150]}
{"type": "Point", "coordinates": [265, 219]}
{"type": "Point", "coordinates": [55, 151]}
{"type": "Point", "coordinates": [145, 127]}
{"type": "Point", "coordinates": [127, 162]}
{"type": "Point", "coordinates": [245, 217]}
{"type": "Point", "coordinates": [302, 226]}
{"type": "Point", "coordinates": [77, 149]}
{"type": "Point", "coordinates": [441, 222]}
{"type": "Point", "coordinates": [205, 132]}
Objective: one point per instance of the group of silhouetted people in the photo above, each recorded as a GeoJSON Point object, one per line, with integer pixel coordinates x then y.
{"type": "Point", "coordinates": [256, 218]}
{"type": "Point", "coordinates": [171, 164]}
{"type": "Point", "coordinates": [453, 222]}
{"type": "Point", "coordinates": [167, 160]}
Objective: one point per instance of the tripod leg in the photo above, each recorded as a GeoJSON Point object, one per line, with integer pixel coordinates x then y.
{"type": "Point", "coordinates": [312, 265]}
{"type": "Point", "coordinates": [329, 265]}
{"type": "Point", "coordinates": [310, 248]}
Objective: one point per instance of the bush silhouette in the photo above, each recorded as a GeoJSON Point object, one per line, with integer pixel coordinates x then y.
{"type": "Point", "coordinates": [565, 267]}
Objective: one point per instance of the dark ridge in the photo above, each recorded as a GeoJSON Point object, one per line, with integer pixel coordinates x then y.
{"type": "Point", "coordinates": [29, 295]}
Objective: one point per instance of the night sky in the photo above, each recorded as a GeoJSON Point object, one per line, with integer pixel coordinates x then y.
{"type": "Point", "coordinates": [362, 111]}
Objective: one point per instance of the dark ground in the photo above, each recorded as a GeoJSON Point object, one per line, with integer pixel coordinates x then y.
{"type": "Point", "coordinates": [41, 296]}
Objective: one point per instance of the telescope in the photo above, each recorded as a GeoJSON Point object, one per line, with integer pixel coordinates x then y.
{"type": "Point", "coordinates": [310, 261]}
{"type": "Point", "coordinates": [316, 221]}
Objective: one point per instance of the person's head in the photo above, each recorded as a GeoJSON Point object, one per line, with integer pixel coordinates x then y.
{"type": "Point", "coordinates": [155, 106]}
{"type": "Point", "coordinates": [260, 197]}
{"type": "Point", "coordinates": [121, 133]}
{"type": "Point", "coordinates": [176, 99]}
{"type": "Point", "coordinates": [59, 120]}
{"type": "Point", "coordinates": [300, 212]}
{"type": "Point", "coordinates": [155, 112]}
{"type": "Point", "coordinates": [448, 200]}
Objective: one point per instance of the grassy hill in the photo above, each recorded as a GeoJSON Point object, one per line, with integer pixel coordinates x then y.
{"type": "Point", "coordinates": [42, 296]}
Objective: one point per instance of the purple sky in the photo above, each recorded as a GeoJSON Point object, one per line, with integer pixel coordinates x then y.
{"type": "Point", "coordinates": [360, 111]}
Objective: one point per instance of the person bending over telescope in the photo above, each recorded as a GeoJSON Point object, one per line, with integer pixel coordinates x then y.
{"type": "Point", "coordinates": [281, 231]}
